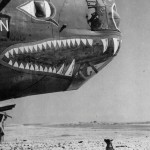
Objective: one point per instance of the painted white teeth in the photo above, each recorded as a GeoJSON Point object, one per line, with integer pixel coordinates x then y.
{"type": "Point", "coordinates": [26, 49]}
{"type": "Point", "coordinates": [54, 43]}
{"type": "Point", "coordinates": [41, 68]}
{"type": "Point", "coordinates": [90, 41]}
{"type": "Point", "coordinates": [36, 68]}
{"type": "Point", "coordinates": [73, 42]}
{"type": "Point", "coordinates": [45, 45]}
{"type": "Point", "coordinates": [11, 52]}
{"type": "Point", "coordinates": [31, 68]}
{"type": "Point", "coordinates": [21, 66]}
{"type": "Point", "coordinates": [54, 70]}
{"type": "Point", "coordinates": [16, 64]}
{"type": "Point", "coordinates": [116, 45]}
{"type": "Point", "coordinates": [7, 54]}
{"type": "Point", "coordinates": [59, 43]}
{"type": "Point", "coordinates": [40, 46]}
{"type": "Point", "coordinates": [10, 62]}
{"type": "Point", "coordinates": [68, 42]}
{"type": "Point", "coordinates": [27, 66]}
{"type": "Point", "coordinates": [64, 43]}
{"type": "Point", "coordinates": [61, 70]}
{"type": "Point", "coordinates": [35, 48]}
{"type": "Point", "coordinates": [105, 44]}
{"type": "Point", "coordinates": [31, 48]}
{"type": "Point", "coordinates": [16, 50]}
{"type": "Point", "coordinates": [78, 41]}
{"type": "Point", "coordinates": [83, 41]}
{"type": "Point", "coordinates": [50, 70]}
{"type": "Point", "coordinates": [21, 49]}
{"type": "Point", "coordinates": [49, 43]}
{"type": "Point", "coordinates": [46, 69]}
{"type": "Point", "coordinates": [70, 69]}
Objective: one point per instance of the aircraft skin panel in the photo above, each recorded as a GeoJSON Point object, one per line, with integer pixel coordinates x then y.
{"type": "Point", "coordinates": [49, 46]}
{"type": "Point", "coordinates": [7, 107]}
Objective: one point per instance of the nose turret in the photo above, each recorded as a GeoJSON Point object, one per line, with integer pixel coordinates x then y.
{"type": "Point", "coordinates": [103, 15]}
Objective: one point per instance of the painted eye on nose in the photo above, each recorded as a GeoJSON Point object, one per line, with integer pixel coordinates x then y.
{"type": "Point", "coordinates": [41, 10]}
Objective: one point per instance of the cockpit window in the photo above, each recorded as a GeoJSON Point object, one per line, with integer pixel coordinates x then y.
{"type": "Point", "coordinates": [39, 9]}
{"type": "Point", "coordinates": [102, 16]}
{"type": "Point", "coordinates": [42, 9]}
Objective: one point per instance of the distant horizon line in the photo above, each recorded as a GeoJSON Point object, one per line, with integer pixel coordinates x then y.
{"type": "Point", "coordinates": [79, 123]}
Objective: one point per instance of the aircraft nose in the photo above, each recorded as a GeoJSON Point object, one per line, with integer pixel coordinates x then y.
{"type": "Point", "coordinates": [103, 15]}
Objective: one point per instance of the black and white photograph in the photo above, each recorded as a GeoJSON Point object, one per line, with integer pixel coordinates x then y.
{"type": "Point", "coordinates": [74, 75]}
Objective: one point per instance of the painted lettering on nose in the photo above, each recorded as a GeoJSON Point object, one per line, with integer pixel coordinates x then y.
{"type": "Point", "coordinates": [4, 25]}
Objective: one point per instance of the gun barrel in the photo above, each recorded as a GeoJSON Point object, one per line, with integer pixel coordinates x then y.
{"type": "Point", "coordinates": [9, 116]}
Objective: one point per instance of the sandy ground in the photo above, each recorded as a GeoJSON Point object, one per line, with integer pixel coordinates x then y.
{"type": "Point", "coordinates": [48, 138]}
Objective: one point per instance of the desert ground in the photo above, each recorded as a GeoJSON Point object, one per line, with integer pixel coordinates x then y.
{"type": "Point", "coordinates": [77, 137]}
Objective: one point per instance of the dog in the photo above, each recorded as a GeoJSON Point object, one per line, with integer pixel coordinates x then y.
{"type": "Point", "coordinates": [109, 144]}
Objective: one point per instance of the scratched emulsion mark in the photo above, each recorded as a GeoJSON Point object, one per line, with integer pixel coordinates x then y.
{"type": "Point", "coordinates": [39, 10]}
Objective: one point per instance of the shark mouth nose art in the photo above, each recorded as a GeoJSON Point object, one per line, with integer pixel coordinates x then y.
{"type": "Point", "coordinates": [27, 57]}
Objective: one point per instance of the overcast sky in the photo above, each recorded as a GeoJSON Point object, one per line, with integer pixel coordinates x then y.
{"type": "Point", "coordinates": [120, 92]}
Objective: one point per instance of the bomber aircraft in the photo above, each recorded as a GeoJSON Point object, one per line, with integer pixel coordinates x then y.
{"type": "Point", "coordinates": [54, 45]}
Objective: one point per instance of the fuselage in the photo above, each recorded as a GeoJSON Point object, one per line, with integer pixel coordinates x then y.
{"type": "Point", "coordinates": [54, 45]}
